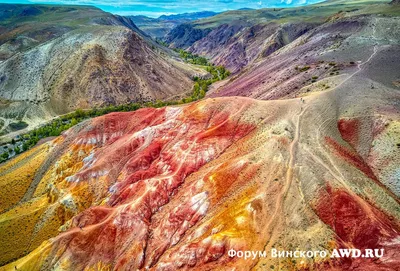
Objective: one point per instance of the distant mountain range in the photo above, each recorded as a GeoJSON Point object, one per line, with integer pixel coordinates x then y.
{"type": "Point", "coordinates": [188, 16]}
{"type": "Point", "coordinates": [161, 26]}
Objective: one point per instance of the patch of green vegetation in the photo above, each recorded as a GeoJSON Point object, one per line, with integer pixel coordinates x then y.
{"type": "Point", "coordinates": [44, 22]}
{"type": "Point", "coordinates": [303, 69]}
{"type": "Point", "coordinates": [57, 14]}
{"type": "Point", "coordinates": [201, 85]}
{"type": "Point", "coordinates": [161, 42]}
{"type": "Point", "coordinates": [57, 126]}
{"type": "Point", "coordinates": [193, 59]}
{"type": "Point", "coordinates": [4, 157]}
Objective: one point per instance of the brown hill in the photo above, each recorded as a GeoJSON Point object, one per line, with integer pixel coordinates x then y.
{"type": "Point", "coordinates": [59, 59]}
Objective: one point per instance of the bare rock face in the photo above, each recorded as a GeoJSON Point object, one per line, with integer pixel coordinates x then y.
{"type": "Point", "coordinates": [395, 2]}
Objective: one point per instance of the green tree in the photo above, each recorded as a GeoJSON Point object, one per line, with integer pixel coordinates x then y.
{"type": "Point", "coordinates": [74, 122]}
{"type": "Point", "coordinates": [5, 155]}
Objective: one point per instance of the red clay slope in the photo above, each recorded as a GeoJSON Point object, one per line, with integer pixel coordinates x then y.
{"type": "Point", "coordinates": [178, 187]}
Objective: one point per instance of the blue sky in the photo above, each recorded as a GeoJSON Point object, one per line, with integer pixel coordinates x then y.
{"type": "Point", "coordinates": [155, 8]}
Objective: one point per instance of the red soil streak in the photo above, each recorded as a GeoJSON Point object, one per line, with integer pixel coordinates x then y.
{"type": "Point", "coordinates": [351, 157]}
{"type": "Point", "coordinates": [147, 162]}
{"type": "Point", "coordinates": [209, 253]}
{"type": "Point", "coordinates": [358, 224]}
{"type": "Point", "coordinates": [103, 128]}
{"type": "Point", "coordinates": [356, 221]}
{"type": "Point", "coordinates": [348, 128]}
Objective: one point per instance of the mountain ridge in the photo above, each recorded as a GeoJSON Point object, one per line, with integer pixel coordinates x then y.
{"type": "Point", "coordinates": [189, 15]}
{"type": "Point", "coordinates": [159, 27]}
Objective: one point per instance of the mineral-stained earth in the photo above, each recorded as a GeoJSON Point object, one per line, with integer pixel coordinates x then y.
{"type": "Point", "coordinates": [179, 187]}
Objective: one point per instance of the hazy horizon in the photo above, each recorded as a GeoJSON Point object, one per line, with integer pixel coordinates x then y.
{"type": "Point", "coordinates": [156, 8]}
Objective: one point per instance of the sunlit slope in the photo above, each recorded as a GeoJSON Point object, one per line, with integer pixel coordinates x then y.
{"type": "Point", "coordinates": [178, 187]}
